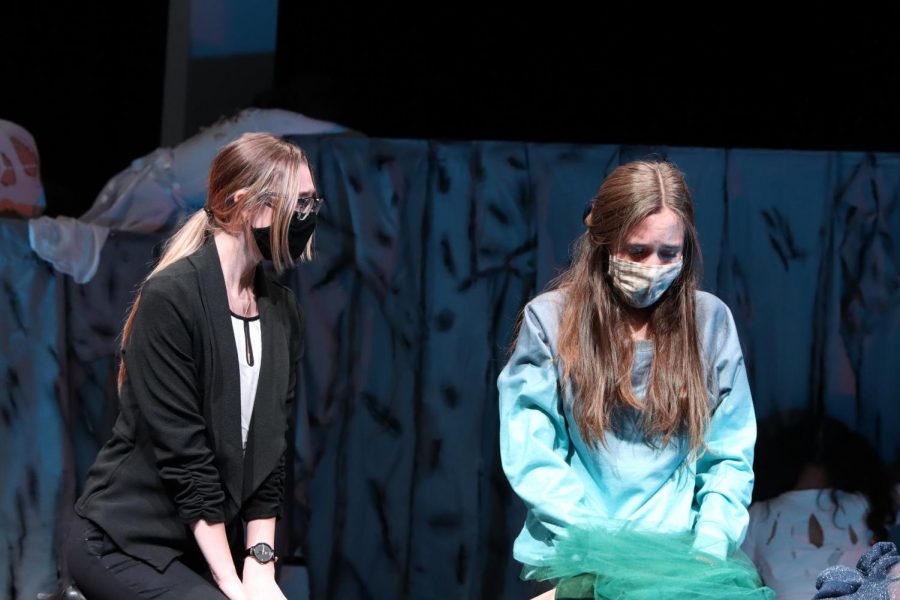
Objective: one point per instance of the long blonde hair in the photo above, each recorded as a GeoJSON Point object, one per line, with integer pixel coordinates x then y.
{"type": "Point", "coordinates": [595, 344]}
{"type": "Point", "coordinates": [268, 169]}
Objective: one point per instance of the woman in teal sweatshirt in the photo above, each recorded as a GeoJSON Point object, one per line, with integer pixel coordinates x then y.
{"type": "Point", "coordinates": [627, 425]}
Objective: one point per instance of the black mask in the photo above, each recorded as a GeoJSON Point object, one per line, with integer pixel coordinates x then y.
{"type": "Point", "coordinates": [298, 236]}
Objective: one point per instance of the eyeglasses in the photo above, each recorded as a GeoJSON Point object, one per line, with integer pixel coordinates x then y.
{"type": "Point", "coordinates": [309, 204]}
{"type": "Point", "coordinates": [306, 205]}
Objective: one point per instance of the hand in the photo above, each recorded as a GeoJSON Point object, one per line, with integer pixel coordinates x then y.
{"type": "Point", "coordinates": [232, 588]}
{"type": "Point", "coordinates": [263, 590]}
{"type": "Point", "coordinates": [259, 581]}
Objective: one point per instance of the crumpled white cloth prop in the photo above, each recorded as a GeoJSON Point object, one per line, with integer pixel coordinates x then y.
{"type": "Point", "coordinates": [72, 247]}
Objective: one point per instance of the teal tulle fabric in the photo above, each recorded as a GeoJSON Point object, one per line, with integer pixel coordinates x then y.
{"type": "Point", "coordinates": [625, 564]}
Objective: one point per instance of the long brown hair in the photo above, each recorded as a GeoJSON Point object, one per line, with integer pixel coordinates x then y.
{"type": "Point", "coordinates": [268, 168]}
{"type": "Point", "coordinates": [595, 344]}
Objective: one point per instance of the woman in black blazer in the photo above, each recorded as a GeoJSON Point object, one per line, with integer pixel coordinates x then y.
{"type": "Point", "coordinates": [183, 498]}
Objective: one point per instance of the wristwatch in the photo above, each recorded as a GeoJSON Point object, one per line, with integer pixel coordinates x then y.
{"type": "Point", "coordinates": [262, 552]}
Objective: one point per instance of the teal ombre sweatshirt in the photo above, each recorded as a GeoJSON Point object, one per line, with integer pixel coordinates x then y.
{"type": "Point", "coordinates": [567, 482]}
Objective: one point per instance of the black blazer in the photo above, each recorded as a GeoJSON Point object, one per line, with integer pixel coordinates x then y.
{"type": "Point", "coordinates": [175, 454]}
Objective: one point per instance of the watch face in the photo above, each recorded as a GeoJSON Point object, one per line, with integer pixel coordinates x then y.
{"type": "Point", "coordinates": [263, 552]}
